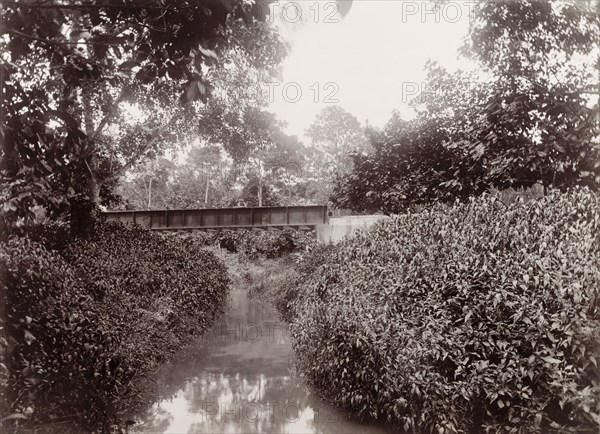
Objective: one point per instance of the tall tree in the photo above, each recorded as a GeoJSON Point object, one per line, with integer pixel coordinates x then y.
{"type": "Point", "coordinates": [286, 162]}
{"type": "Point", "coordinates": [207, 162]}
{"type": "Point", "coordinates": [61, 57]}
{"type": "Point", "coordinates": [202, 181]}
{"type": "Point", "coordinates": [264, 131]}
{"type": "Point", "coordinates": [538, 125]}
{"type": "Point", "coordinates": [337, 133]}
{"type": "Point", "coordinates": [525, 118]}
{"type": "Point", "coordinates": [236, 116]}
{"type": "Point", "coordinates": [148, 184]}
{"type": "Point", "coordinates": [409, 166]}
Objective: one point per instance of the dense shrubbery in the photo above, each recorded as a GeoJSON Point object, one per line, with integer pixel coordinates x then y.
{"type": "Point", "coordinates": [84, 324]}
{"type": "Point", "coordinates": [468, 318]}
{"type": "Point", "coordinates": [53, 235]}
{"type": "Point", "coordinates": [257, 244]}
{"type": "Point", "coordinates": [285, 296]}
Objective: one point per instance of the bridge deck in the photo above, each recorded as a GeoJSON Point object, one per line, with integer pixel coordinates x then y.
{"type": "Point", "coordinates": [280, 217]}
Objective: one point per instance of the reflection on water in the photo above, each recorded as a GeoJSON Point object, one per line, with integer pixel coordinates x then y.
{"type": "Point", "coordinates": [237, 379]}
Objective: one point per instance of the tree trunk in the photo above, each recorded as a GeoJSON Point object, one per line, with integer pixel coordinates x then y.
{"type": "Point", "coordinates": [206, 191]}
{"type": "Point", "coordinates": [149, 194]}
{"type": "Point", "coordinates": [260, 183]}
{"type": "Point", "coordinates": [84, 210]}
{"type": "Point", "coordinates": [260, 193]}
{"type": "Point", "coordinates": [88, 114]}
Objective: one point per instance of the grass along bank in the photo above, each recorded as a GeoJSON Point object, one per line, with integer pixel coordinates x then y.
{"type": "Point", "coordinates": [266, 279]}
{"type": "Point", "coordinates": [263, 262]}
{"type": "Point", "coordinates": [85, 322]}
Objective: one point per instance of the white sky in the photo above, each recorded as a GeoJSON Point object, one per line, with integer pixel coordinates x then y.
{"type": "Point", "coordinates": [374, 56]}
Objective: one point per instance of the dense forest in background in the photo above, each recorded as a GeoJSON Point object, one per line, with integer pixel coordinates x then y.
{"type": "Point", "coordinates": [103, 104]}
{"type": "Point", "coordinates": [281, 171]}
{"type": "Point", "coordinates": [528, 116]}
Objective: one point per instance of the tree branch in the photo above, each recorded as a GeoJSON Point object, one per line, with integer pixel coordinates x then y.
{"type": "Point", "coordinates": [132, 159]}
{"type": "Point", "coordinates": [90, 5]}
{"type": "Point", "coordinates": [111, 111]}
{"type": "Point", "coordinates": [34, 38]}
{"type": "Point", "coordinates": [58, 47]}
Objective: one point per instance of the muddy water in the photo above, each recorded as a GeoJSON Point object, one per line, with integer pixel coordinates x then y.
{"type": "Point", "coordinates": [239, 379]}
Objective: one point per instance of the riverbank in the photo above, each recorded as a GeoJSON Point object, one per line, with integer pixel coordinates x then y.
{"type": "Point", "coordinates": [473, 317]}
{"type": "Point", "coordinates": [86, 322]}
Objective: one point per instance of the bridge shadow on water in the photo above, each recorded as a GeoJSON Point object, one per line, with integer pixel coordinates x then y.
{"type": "Point", "coordinates": [238, 378]}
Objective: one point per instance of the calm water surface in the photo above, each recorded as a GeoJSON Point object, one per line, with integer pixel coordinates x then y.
{"type": "Point", "coordinates": [238, 379]}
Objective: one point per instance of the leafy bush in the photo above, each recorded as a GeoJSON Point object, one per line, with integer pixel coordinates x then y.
{"type": "Point", "coordinates": [257, 244]}
{"type": "Point", "coordinates": [53, 235]}
{"type": "Point", "coordinates": [85, 325]}
{"type": "Point", "coordinates": [272, 244]}
{"type": "Point", "coordinates": [42, 296]}
{"type": "Point", "coordinates": [461, 319]}
{"type": "Point", "coordinates": [286, 295]}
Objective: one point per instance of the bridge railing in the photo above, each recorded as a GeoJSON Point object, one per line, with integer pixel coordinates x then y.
{"type": "Point", "coordinates": [224, 218]}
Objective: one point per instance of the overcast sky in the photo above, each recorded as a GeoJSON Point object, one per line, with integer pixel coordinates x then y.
{"type": "Point", "coordinates": [370, 62]}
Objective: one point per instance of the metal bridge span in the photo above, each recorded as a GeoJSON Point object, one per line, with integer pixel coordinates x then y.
{"type": "Point", "coordinates": [274, 217]}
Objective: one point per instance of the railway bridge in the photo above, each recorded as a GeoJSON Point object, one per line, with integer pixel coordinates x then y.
{"type": "Point", "coordinates": [206, 219]}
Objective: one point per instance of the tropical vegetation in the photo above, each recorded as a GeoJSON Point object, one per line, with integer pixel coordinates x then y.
{"type": "Point", "coordinates": [464, 318]}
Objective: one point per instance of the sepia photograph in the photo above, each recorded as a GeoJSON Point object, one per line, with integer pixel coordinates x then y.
{"type": "Point", "coordinates": [300, 216]}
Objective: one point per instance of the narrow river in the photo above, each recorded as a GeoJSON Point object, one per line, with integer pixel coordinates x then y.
{"type": "Point", "coordinates": [238, 379]}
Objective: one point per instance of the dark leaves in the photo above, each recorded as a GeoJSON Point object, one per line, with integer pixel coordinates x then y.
{"type": "Point", "coordinates": [475, 317]}
{"type": "Point", "coordinates": [82, 340]}
{"type": "Point", "coordinates": [197, 89]}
